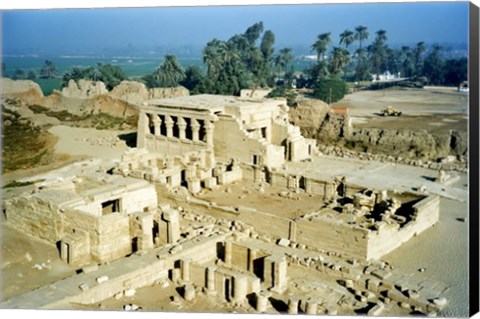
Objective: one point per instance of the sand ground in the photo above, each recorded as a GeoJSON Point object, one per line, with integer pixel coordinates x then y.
{"type": "Point", "coordinates": [435, 109]}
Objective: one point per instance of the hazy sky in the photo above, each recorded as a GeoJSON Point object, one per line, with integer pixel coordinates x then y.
{"type": "Point", "coordinates": [97, 29]}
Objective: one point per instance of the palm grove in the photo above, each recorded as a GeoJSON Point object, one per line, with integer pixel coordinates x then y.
{"type": "Point", "coordinates": [249, 60]}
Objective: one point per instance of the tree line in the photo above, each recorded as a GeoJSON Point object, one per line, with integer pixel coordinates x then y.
{"type": "Point", "coordinates": [249, 60]}
{"type": "Point", "coordinates": [47, 71]}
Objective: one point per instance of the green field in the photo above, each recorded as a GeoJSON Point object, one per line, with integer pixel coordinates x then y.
{"type": "Point", "coordinates": [134, 67]}
{"type": "Point", "coordinates": [48, 85]}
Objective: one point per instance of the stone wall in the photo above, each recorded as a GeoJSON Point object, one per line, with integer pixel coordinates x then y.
{"type": "Point", "coordinates": [386, 239]}
{"type": "Point", "coordinates": [267, 223]}
{"type": "Point", "coordinates": [145, 273]}
{"type": "Point", "coordinates": [35, 217]}
{"type": "Point", "coordinates": [130, 201]}
{"type": "Point", "coordinates": [172, 146]}
{"type": "Point", "coordinates": [332, 235]}
{"type": "Point", "coordinates": [232, 142]}
{"type": "Point", "coordinates": [113, 235]}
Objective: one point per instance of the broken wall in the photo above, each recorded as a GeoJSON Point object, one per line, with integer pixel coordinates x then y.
{"type": "Point", "coordinates": [333, 236]}
{"type": "Point", "coordinates": [386, 239]}
{"type": "Point", "coordinates": [35, 217]}
{"type": "Point", "coordinates": [130, 201]}
{"type": "Point", "coordinates": [263, 222]}
{"type": "Point", "coordinates": [145, 272]}
{"type": "Point", "coordinates": [232, 142]}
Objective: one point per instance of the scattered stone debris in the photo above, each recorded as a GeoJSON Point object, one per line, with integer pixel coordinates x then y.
{"type": "Point", "coordinates": [102, 279]}
{"type": "Point", "coordinates": [131, 307]}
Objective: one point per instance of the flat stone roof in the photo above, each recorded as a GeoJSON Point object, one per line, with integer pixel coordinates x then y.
{"type": "Point", "coordinates": [208, 102]}
{"type": "Point", "coordinates": [74, 189]}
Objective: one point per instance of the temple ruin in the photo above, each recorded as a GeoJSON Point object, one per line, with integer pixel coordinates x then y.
{"type": "Point", "coordinates": [125, 225]}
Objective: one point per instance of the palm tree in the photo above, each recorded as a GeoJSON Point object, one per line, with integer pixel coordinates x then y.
{"type": "Point", "coordinates": [229, 55]}
{"type": "Point", "coordinates": [75, 74]}
{"type": "Point", "coordinates": [434, 65]}
{"type": "Point", "coordinates": [419, 49]}
{"type": "Point", "coordinates": [408, 65]}
{"type": "Point", "coordinates": [340, 60]}
{"type": "Point", "coordinates": [362, 70]}
{"type": "Point", "coordinates": [381, 35]}
{"type": "Point", "coordinates": [253, 32]}
{"type": "Point", "coordinates": [212, 56]}
{"type": "Point", "coordinates": [378, 51]}
{"type": "Point", "coordinates": [321, 45]}
{"type": "Point", "coordinates": [283, 59]}
{"type": "Point", "coordinates": [48, 70]}
{"type": "Point", "coordinates": [347, 37]}
{"type": "Point", "coordinates": [361, 34]}
{"type": "Point", "coordinates": [170, 72]}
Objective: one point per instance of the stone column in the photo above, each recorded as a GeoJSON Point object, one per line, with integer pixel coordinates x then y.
{"type": "Point", "coordinates": [173, 225]}
{"type": "Point", "coordinates": [182, 125]}
{"type": "Point", "coordinates": [252, 255]}
{"type": "Point", "coordinates": [169, 125]}
{"type": "Point", "coordinates": [240, 284]}
{"type": "Point", "coordinates": [195, 129]}
{"type": "Point", "coordinates": [280, 274]}
{"type": "Point", "coordinates": [143, 129]}
{"type": "Point", "coordinates": [209, 126]}
{"type": "Point", "coordinates": [156, 124]}
{"type": "Point", "coordinates": [268, 134]}
{"type": "Point", "coordinates": [211, 280]}
{"type": "Point", "coordinates": [311, 307]}
{"type": "Point", "coordinates": [268, 272]}
{"type": "Point", "coordinates": [228, 253]}
{"type": "Point", "coordinates": [146, 225]}
{"type": "Point", "coordinates": [262, 302]}
{"type": "Point", "coordinates": [175, 273]}
{"type": "Point", "coordinates": [185, 270]}
{"type": "Point", "coordinates": [189, 292]}
{"type": "Point", "coordinates": [275, 273]}
{"type": "Point", "coordinates": [292, 306]}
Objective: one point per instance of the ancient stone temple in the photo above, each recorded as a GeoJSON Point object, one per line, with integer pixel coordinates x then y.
{"type": "Point", "coordinates": [254, 131]}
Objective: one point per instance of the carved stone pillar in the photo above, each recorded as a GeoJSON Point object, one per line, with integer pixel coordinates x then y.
{"type": "Point", "coordinates": [195, 129]}
{"type": "Point", "coordinates": [169, 124]}
{"type": "Point", "coordinates": [156, 124]}
{"type": "Point", "coordinates": [182, 125]}
{"type": "Point", "coordinates": [209, 126]}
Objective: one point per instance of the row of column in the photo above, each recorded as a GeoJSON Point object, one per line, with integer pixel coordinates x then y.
{"type": "Point", "coordinates": [181, 123]}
